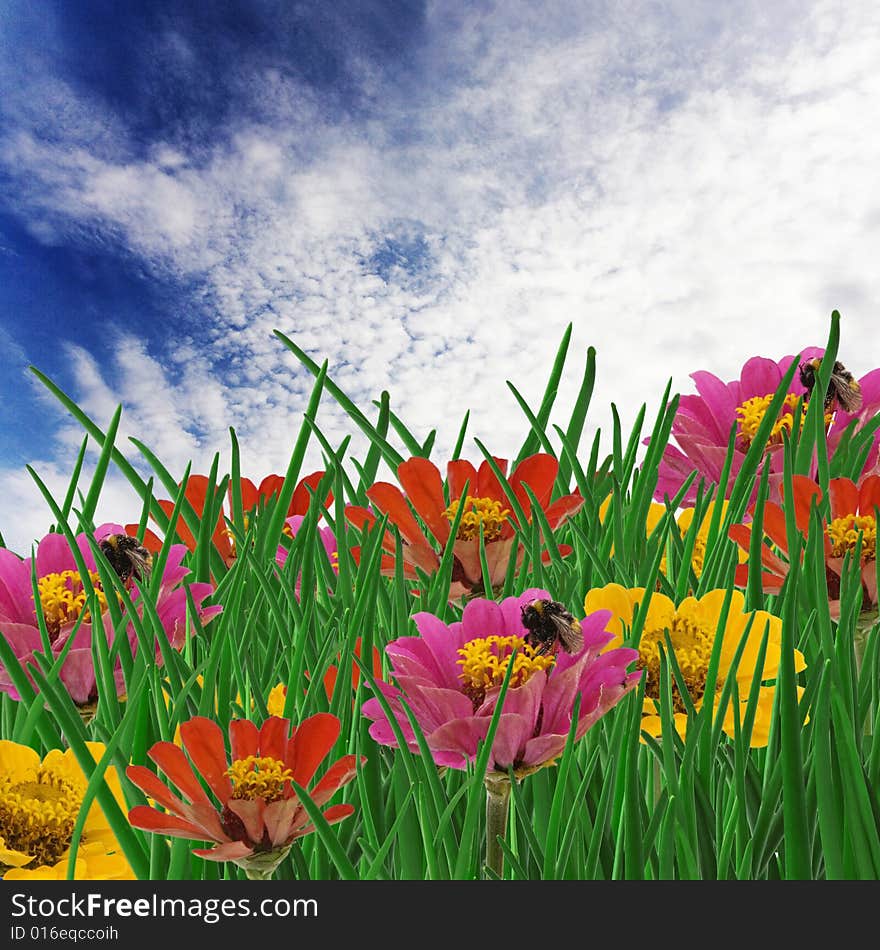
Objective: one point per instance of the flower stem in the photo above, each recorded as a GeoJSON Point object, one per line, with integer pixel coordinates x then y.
{"type": "Point", "coordinates": [497, 809]}
{"type": "Point", "coordinates": [261, 865]}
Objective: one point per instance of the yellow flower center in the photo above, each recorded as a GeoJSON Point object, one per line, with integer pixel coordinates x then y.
{"type": "Point", "coordinates": [751, 413]}
{"type": "Point", "coordinates": [692, 641]}
{"type": "Point", "coordinates": [37, 816]}
{"type": "Point", "coordinates": [484, 662]}
{"type": "Point", "coordinates": [697, 558]}
{"type": "Point", "coordinates": [63, 599]}
{"type": "Point", "coordinates": [258, 777]}
{"type": "Point", "coordinates": [478, 511]}
{"type": "Point", "coordinates": [844, 535]}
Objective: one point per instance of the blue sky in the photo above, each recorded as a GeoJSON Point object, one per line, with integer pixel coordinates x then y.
{"type": "Point", "coordinates": [423, 194]}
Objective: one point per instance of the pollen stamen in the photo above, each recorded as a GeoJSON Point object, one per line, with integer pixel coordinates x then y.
{"type": "Point", "coordinates": [259, 777]}
{"type": "Point", "coordinates": [63, 598]}
{"type": "Point", "coordinates": [478, 511]}
{"type": "Point", "coordinates": [484, 662]}
{"type": "Point", "coordinates": [844, 535]}
{"type": "Point", "coordinates": [692, 641]}
{"type": "Point", "coordinates": [751, 413]}
{"type": "Point", "coordinates": [37, 816]}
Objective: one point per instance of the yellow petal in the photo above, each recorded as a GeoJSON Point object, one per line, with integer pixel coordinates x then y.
{"type": "Point", "coordinates": [615, 598]}
{"type": "Point", "coordinates": [12, 858]}
{"type": "Point", "coordinates": [18, 762]}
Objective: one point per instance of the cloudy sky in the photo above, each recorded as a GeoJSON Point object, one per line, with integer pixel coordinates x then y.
{"type": "Point", "coordinates": [425, 195]}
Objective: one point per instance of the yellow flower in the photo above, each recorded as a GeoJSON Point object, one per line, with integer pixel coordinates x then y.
{"type": "Point", "coordinates": [693, 627]}
{"type": "Point", "coordinates": [685, 519]}
{"type": "Point", "coordinates": [275, 702]}
{"type": "Point", "coordinates": [39, 805]}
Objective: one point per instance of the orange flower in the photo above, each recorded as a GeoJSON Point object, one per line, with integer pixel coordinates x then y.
{"type": "Point", "coordinates": [251, 496]}
{"type": "Point", "coordinates": [486, 505]}
{"type": "Point", "coordinates": [853, 514]}
{"type": "Point", "coordinates": [259, 814]}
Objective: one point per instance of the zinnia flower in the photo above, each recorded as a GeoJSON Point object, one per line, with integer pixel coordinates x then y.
{"type": "Point", "coordinates": [656, 513]}
{"type": "Point", "coordinates": [450, 676]}
{"type": "Point", "coordinates": [487, 505]}
{"type": "Point", "coordinates": [693, 627]}
{"type": "Point", "coordinates": [63, 601]}
{"type": "Point", "coordinates": [40, 802]}
{"type": "Point", "coordinates": [328, 542]}
{"type": "Point", "coordinates": [256, 815]}
{"type": "Point", "coordinates": [853, 514]}
{"type": "Point", "coordinates": [703, 423]}
{"type": "Point", "coordinates": [252, 496]}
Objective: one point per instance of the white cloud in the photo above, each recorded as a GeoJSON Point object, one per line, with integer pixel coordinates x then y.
{"type": "Point", "coordinates": [688, 186]}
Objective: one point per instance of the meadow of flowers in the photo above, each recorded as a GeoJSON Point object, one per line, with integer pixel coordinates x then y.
{"type": "Point", "coordinates": [327, 675]}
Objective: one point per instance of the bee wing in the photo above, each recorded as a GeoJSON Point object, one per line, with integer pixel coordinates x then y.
{"type": "Point", "coordinates": [848, 392]}
{"type": "Point", "coordinates": [570, 635]}
{"type": "Point", "coordinates": [141, 562]}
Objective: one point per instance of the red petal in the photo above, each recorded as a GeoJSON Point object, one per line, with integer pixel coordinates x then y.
{"type": "Point", "coordinates": [250, 495]}
{"type": "Point", "coordinates": [177, 768]}
{"type": "Point", "coordinates": [337, 813]}
{"type": "Point", "coordinates": [420, 479]}
{"type": "Point", "coordinates": [869, 494]}
{"type": "Point", "coordinates": [360, 517]}
{"type": "Point", "coordinates": [539, 472]}
{"type": "Point", "coordinates": [338, 775]}
{"type": "Point", "coordinates": [203, 740]}
{"type": "Point", "coordinates": [488, 485]}
{"type": "Point", "coordinates": [771, 581]}
{"type": "Point", "coordinates": [299, 504]}
{"type": "Point", "coordinates": [309, 745]}
{"type": "Point", "coordinates": [387, 566]}
{"type": "Point", "coordinates": [152, 786]}
{"type": "Point", "coordinates": [390, 500]}
{"type": "Point", "coordinates": [273, 737]}
{"type": "Point", "coordinates": [741, 534]}
{"type": "Point", "coordinates": [741, 575]}
{"type": "Point", "coordinates": [280, 818]}
{"type": "Point", "coordinates": [563, 508]}
{"type": "Point", "coordinates": [251, 813]}
{"type": "Point", "coordinates": [183, 532]}
{"type": "Point", "coordinates": [774, 526]}
{"type": "Point", "coordinates": [229, 851]}
{"type": "Point", "coordinates": [803, 489]}
{"type": "Point", "coordinates": [201, 814]}
{"type": "Point", "coordinates": [141, 816]}
{"type": "Point", "coordinates": [270, 486]}
{"type": "Point", "coordinates": [459, 471]}
{"type": "Point", "coordinates": [844, 497]}
{"type": "Point", "coordinates": [196, 492]}
{"type": "Point", "coordinates": [244, 739]}
{"type": "Point", "coordinates": [331, 816]}
{"type": "Point", "coordinates": [151, 541]}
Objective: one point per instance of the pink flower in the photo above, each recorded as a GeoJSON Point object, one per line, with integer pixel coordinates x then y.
{"type": "Point", "coordinates": [328, 539]}
{"type": "Point", "coordinates": [450, 677]}
{"type": "Point", "coordinates": [703, 423]}
{"type": "Point", "coordinates": [63, 601]}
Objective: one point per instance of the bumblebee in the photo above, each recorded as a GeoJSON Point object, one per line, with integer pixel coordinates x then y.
{"type": "Point", "coordinates": [549, 623]}
{"type": "Point", "coordinates": [842, 387]}
{"type": "Point", "coordinates": [127, 556]}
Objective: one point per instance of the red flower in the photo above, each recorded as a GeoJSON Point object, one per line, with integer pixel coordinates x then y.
{"type": "Point", "coordinates": [853, 512]}
{"type": "Point", "coordinates": [332, 671]}
{"type": "Point", "coordinates": [251, 496]}
{"type": "Point", "coordinates": [487, 504]}
{"type": "Point", "coordinates": [259, 814]}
